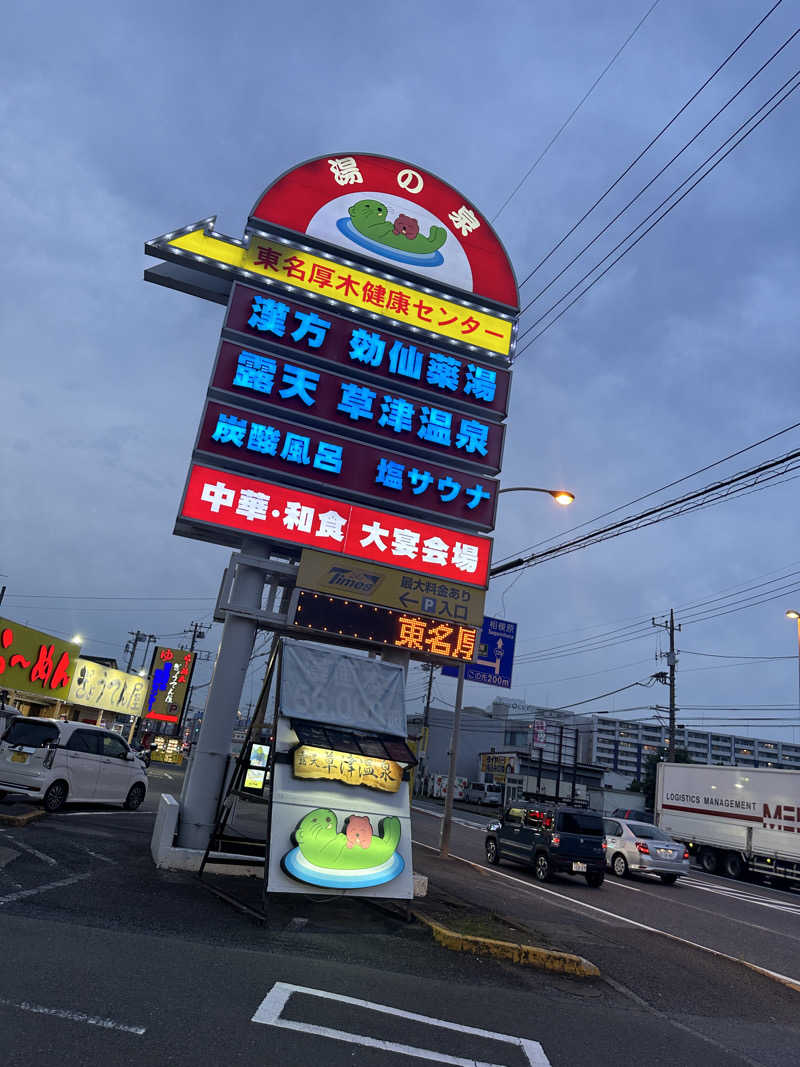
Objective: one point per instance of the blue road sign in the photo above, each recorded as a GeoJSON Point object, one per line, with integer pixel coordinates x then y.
{"type": "Point", "coordinates": [495, 659]}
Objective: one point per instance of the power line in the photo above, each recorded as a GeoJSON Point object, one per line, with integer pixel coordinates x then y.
{"type": "Point", "coordinates": [663, 488]}
{"type": "Point", "coordinates": [656, 221]}
{"type": "Point", "coordinates": [650, 144]}
{"type": "Point", "coordinates": [574, 112]}
{"type": "Point", "coordinates": [721, 655]}
{"type": "Point", "coordinates": [764, 472]}
{"type": "Point", "coordinates": [602, 696]}
{"type": "Point", "coordinates": [656, 176]}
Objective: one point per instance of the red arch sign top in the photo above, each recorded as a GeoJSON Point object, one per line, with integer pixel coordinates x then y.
{"type": "Point", "coordinates": [398, 214]}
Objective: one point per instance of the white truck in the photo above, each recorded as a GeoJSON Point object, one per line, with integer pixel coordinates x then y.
{"type": "Point", "coordinates": [734, 819]}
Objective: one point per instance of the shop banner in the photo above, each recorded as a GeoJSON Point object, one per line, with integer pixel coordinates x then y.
{"type": "Point", "coordinates": [107, 689]}
{"type": "Point", "coordinates": [35, 662]}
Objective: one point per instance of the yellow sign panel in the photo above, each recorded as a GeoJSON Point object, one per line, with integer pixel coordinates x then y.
{"type": "Point", "coordinates": [311, 762]}
{"type": "Point", "coordinates": [369, 292]}
{"type": "Point", "coordinates": [401, 590]}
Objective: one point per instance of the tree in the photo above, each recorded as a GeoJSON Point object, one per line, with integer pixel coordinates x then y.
{"type": "Point", "coordinates": [648, 785]}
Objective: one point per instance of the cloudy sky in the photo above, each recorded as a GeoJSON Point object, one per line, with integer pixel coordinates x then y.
{"type": "Point", "coordinates": [124, 121]}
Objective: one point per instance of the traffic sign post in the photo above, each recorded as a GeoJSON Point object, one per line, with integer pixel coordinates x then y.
{"type": "Point", "coordinates": [494, 660]}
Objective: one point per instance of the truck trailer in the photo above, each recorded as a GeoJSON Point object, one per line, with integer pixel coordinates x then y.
{"type": "Point", "coordinates": [735, 820]}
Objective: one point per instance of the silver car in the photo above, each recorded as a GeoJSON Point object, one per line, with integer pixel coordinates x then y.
{"type": "Point", "coordinates": [643, 848]}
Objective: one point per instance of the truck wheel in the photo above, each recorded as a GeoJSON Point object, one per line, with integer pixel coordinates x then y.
{"type": "Point", "coordinates": [734, 865]}
{"type": "Point", "coordinates": [709, 860]}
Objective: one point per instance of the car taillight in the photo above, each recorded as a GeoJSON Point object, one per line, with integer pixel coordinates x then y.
{"type": "Point", "coordinates": [555, 841]}
{"type": "Point", "coordinates": [686, 854]}
{"type": "Point", "coordinates": [643, 847]}
{"type": "Point", "coordinates": [604, 844]}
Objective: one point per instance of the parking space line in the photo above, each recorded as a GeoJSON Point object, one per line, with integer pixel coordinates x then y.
{"type": "Point", "coordinates": [270, 1008]}
{"type": "Point", "coordinates": [72, 814]}
{"type": "Point", "coordinates": [73, 1016]}
{"type": "Point", "coordinates": [33, 851]}
{"type": "Point", "coordinates": [11, 897]}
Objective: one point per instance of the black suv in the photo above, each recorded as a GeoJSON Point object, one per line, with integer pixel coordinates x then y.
{"type": "Point", "coordinates": [552, 838]}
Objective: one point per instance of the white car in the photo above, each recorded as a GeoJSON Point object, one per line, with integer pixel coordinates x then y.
{"type": "Point", "coordinates": [53, 762]}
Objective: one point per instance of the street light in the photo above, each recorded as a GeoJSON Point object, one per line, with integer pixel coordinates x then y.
{"type": "Point", "coordinates": [792, 614]}
{"type": "Point", "coordinates": [76, 640]}
{"type": "Point", "coordinates": [562, 497]}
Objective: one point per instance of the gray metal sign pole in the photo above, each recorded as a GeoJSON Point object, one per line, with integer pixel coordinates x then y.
{"type": "Point", "coordinates": [444, 843]}
{"type": "Point", "coordinates": [209, 760]}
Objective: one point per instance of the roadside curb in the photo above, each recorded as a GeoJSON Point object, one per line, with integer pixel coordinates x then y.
{"type": "Point", "coordinates": [20, 820]}
{"type": "Point", "coordinates": [527, 955]}
{"type": "Point", "coordinates": [782, 978]}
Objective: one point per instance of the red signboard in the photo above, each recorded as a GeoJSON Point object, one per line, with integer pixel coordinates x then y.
{"type": "Point", "coordinates": [353, 469]}
{"type": "Point", "coordinates": [268, 379]}
{"type": "Point", "coordinates": [255, 508]}
{"type": "Point", "coordinates": [370, 351]}
{"type": "Point", "coordinates": [385, 209]}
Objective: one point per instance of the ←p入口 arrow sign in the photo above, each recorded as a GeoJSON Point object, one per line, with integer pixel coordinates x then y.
{"type": "Point", "coordinates": [277, 261]}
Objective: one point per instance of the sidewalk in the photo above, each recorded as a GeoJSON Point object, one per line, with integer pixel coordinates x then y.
{"type": "Point", "coordinates": [463, 898]}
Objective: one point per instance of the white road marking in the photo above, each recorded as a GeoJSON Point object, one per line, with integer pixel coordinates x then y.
{"type": "Point", "coordinates": [621, 885]}
{"type": "Point", "coordinates": [270, 1008]}
{"type": "Point", "coordinates": [11, 897]}
{"type": "Point", "coordinates": [73, 1016]}
{"type": "Point", "coordinates": [456, 821]}
{"type": "Point", "coordinates": [795, 982]}
{"type": "Point", "coordinates": [789, 907]}
{"type": "Point", "coordinates": [96, 855]}
{"type": "Point", "coordinates": [34, 852]}
{"type": "Point", "coordinates": [72, 814]}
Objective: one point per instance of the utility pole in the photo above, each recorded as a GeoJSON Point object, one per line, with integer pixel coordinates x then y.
{"type": "Point", "coordinates": [447, 819]}
{"type": "Point", "coordinates": [672, 661]}
{"type": "Point", "coordinates": [429, 667]}
{"type": "Point", "coordinates": [132, 646]}
{"type": "Point", "coordinates": [198, 633]}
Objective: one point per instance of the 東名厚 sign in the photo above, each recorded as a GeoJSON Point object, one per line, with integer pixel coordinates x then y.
{"type": "Point", "coordinates": [97, 686]}
{"type": "Point", "coordinates": [495, 657]}
{"type": "Point", "coordinates": [35, 662]}
{"type": "Point", "coordinates": [382, 626]}
{"type": "Point", "coordinates": [168, 685]}
{"type": "Point", "coordinates": [402, 590]}
{"type": "Point", "coordinates": [224, 501]}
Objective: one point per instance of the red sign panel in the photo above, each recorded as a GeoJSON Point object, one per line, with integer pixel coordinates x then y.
{"type": "Point", "coordinates": [375, 353]}
{"type": "Point", "coordinates": [281, 514]}
{"type": "Point", "coordinates": [267, 379]}
{"type": "Point", "coordinates": [394, 212]}
{"type": "Point", "coordinates": [352, 468]}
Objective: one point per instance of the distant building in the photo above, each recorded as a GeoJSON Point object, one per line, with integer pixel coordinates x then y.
{"type": "Point", "coordinates": [547, 743]}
